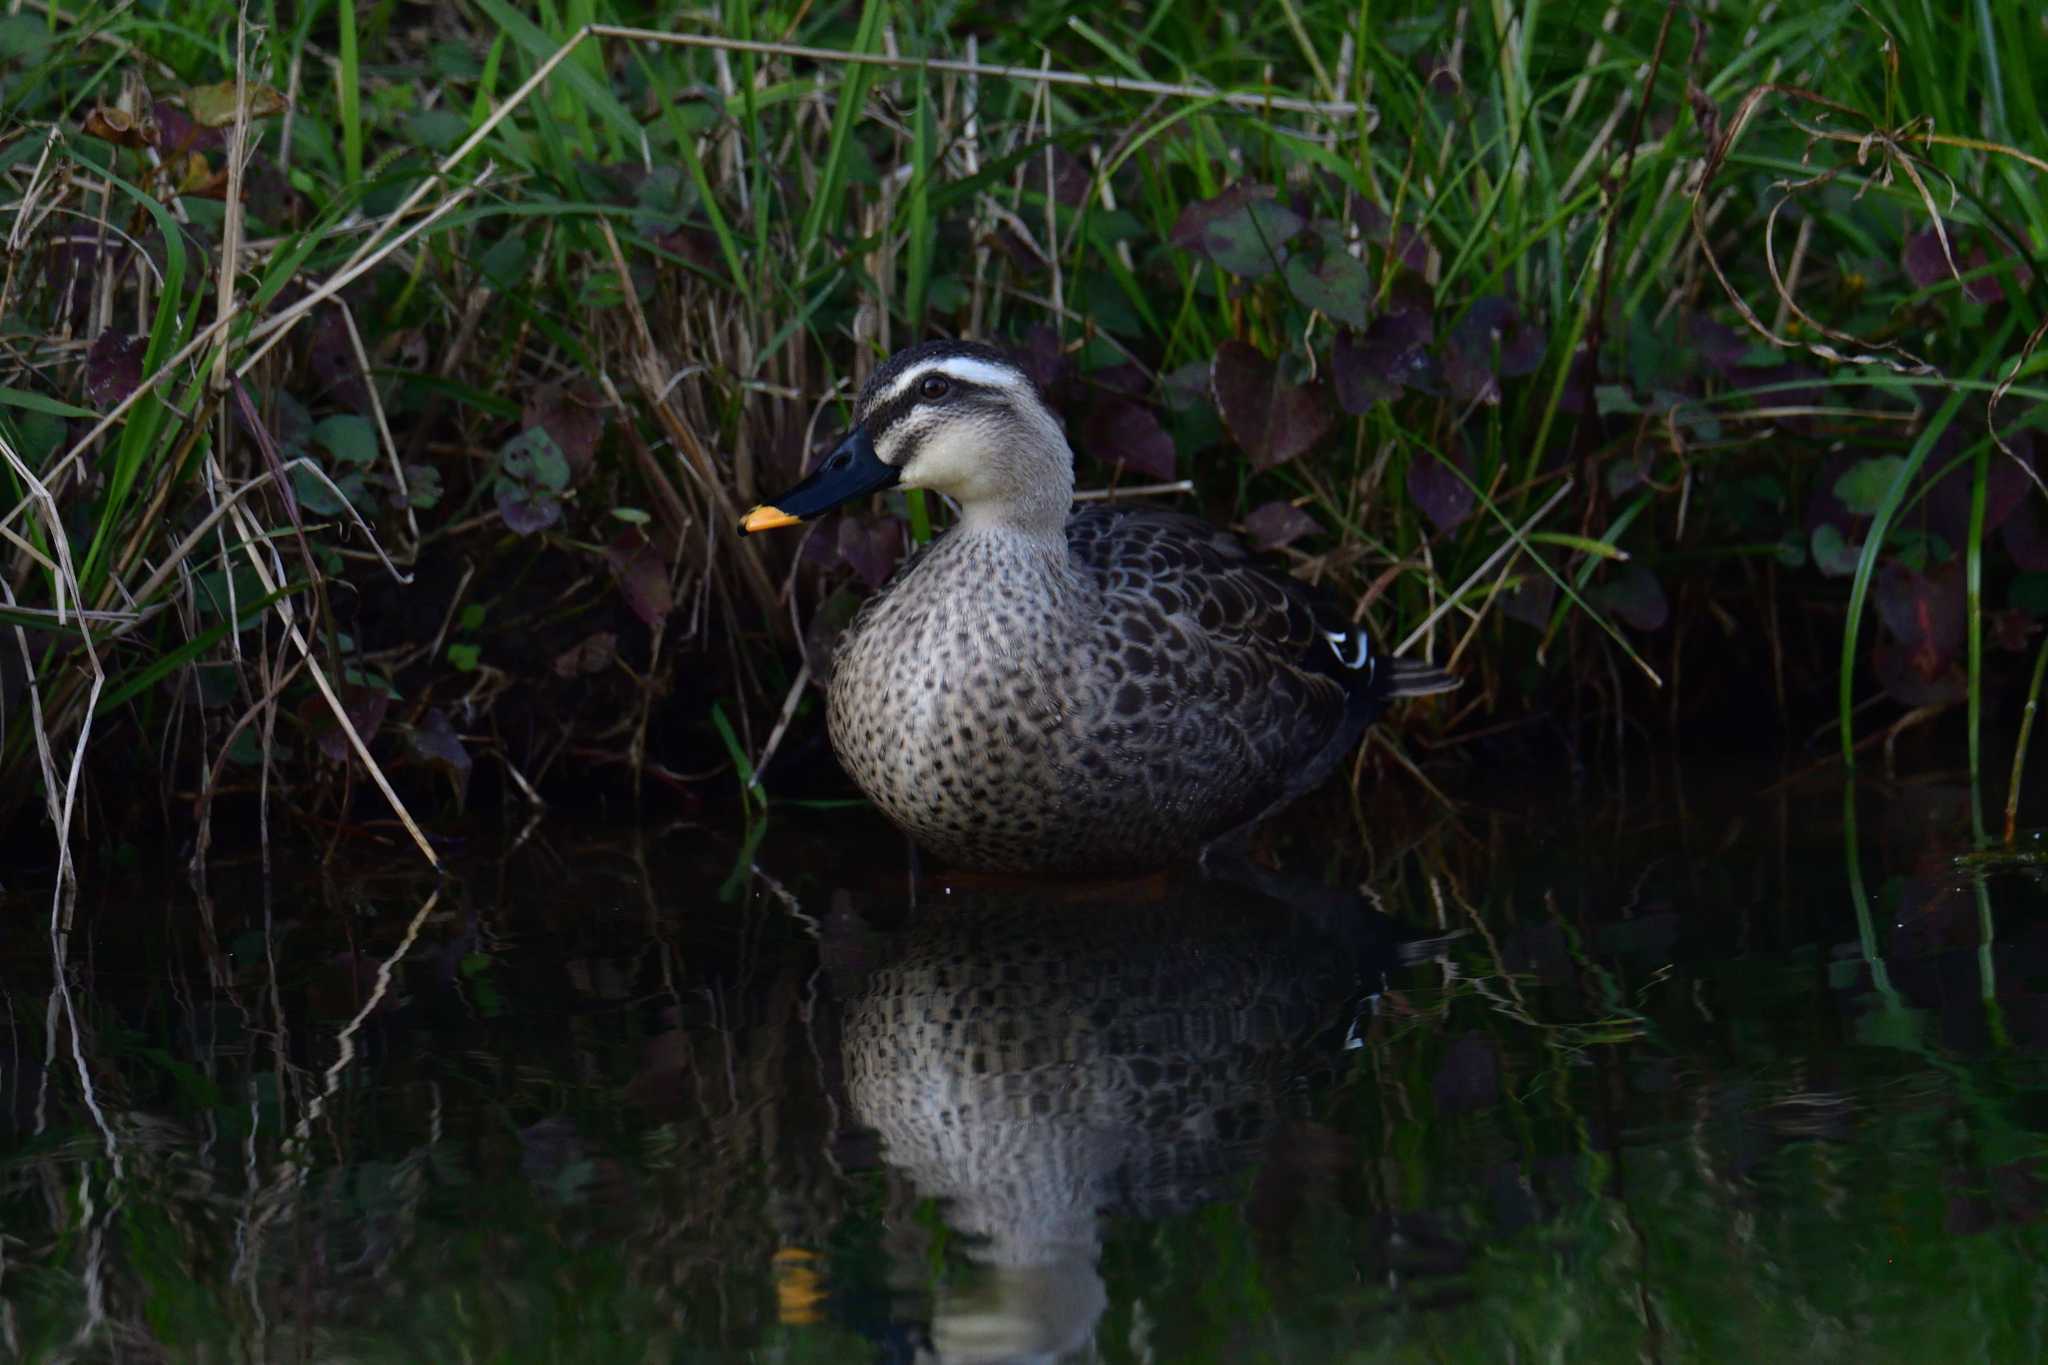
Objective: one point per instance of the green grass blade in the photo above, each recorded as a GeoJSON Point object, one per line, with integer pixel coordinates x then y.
{"type": "Point", "coordinates": [854, 79]}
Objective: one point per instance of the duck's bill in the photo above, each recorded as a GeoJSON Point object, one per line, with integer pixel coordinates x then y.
{"type": "Point", "coordinates": [852, 470]}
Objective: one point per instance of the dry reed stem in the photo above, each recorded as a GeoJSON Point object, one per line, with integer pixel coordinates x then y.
{"type": "Point", "coordinates": [251, 537]}
{"type": "Point", "coordinates": [1517, 541]}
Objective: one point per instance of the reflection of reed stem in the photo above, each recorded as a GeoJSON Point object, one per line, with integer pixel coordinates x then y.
{"type": "Point", "coordinates": [2019, 748]}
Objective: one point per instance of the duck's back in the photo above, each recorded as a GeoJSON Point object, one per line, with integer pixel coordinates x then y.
{"type": "Point", "coordinates": [1122, 705]}
{"type": "Point", "coordinates": [1222, 670]}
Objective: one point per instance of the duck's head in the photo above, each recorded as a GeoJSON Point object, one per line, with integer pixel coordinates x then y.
{"type": "Point", "coordinates": [956, 417]}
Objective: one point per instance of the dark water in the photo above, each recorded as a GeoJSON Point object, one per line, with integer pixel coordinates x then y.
{"type": "Point", "coordinates": [1683, 1088]}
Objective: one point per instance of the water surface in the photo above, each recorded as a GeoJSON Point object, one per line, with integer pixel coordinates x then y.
{"type": "Point", "coordinates": [1699, 1076]}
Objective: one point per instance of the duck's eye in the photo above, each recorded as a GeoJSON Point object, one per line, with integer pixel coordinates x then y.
{"type": "Point", "coordinates": [934, 386]}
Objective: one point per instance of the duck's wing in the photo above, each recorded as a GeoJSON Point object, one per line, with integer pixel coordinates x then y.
{"type": "Point", "coordinates": [1197, 572]}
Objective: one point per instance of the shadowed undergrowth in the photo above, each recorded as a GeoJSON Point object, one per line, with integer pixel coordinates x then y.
{"type": "Point", "coordinates": [380, 386]}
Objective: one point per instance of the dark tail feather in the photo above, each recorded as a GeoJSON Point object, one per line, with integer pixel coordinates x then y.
{"type": "Point", "coordinates": [1415, 678]}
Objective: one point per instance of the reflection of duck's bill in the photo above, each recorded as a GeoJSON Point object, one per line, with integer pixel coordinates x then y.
{"type": "Point", "coordinates": [799, 1288]}
{"type": "Point", "coordinates": [851, 470]}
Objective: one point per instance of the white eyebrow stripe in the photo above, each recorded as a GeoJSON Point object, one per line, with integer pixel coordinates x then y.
{"type": "Point", "coordinates": [961, 367]}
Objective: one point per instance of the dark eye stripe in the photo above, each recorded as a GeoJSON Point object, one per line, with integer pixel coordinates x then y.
{"type": "Point", "coordinates": [964, 393]}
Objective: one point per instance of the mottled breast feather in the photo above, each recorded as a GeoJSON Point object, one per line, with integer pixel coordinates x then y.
{"type": "Point", "coordinates": [1121, 703]}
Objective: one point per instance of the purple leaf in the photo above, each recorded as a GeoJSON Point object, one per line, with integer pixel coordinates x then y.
{"type": "Point", "coordinates": [1924, 261]}
{"type": "Point", "coordinates": [1041, 356]}
{"type": "Point", "coordinates": [574, 421]}
{"type": "Point", "coordinates": [434, 739]}
{"type": "Point", "coordinates": [593, 655]}
{"type": "Point", "coordinates": [1531, 602]}
{"type": "Point", "coordinates": [1198, 214]}
{"type": "Point", "coordinates": [1243, 230]}
{"type": "Point", "coordinates": [1373, 367]}
{"type": "Point", "coordinates": [1372, 220]}
{"type": "Point", "coordinates": [1490, 342]}
{"type": "Point", "coordinates": [365, 707]}
{"type": "Point", "coordinates": [178, 133]}
{"type": "Point", "coordinates": [1126, 379]}
{"type": "Point", "coordinates": [2026, 540]}
{"type": "Point", "coordinates": [2005, 485]}
{"type": "Point", "coordinates": [1186, 387]}
{"type": "Point", "coordinates": [1277, 523]}
{"type": "Point", "coordinates": [1271, 419]}
{"type": "Point", "coordinates": [1900, 672]}
{"type": "Point", "coordinates": [1721, 346]}
{"type": "Point", "coordinates": [1070, 176]}
{"type": "Point", "coordinates": [1409, 248]}
{"type": "Point", "coordinates": [1924, 614]}
{"type": "Point", "coordinates": [524, 510]}
{"type": "Point", "coordinates": [1468, 1077]}
{"type": "Point", "coordinates": [1633, 593]}
{"type": "Point", "coordinates": [641, 575]}
{"type": "Point", "coordinates": [1126, 432]}
{"type": "Point", "coordinates": [871, 548]}
{"type": "Point", "coordinates": [1338, 285]}
{"type": "Point", "coordinates": [2011, 630]}
{"type": "Point", "coordinates": [1436, 489]}
{"type": "Point", "coordinates": [1984, 289]}
{"type": "Point", "coordinates": [113, 368]}
{"type": "Point", "coordinates": [332, 358]}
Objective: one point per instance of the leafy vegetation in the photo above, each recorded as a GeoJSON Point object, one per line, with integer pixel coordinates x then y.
{"type": "Point", "coordinates": [381, 385]}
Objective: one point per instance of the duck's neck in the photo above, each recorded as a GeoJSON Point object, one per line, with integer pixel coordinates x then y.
{"type": "Point", "coordinates": [1026, 490]}
{"type": "Point", "coordinates": [1039, 516]}
{"type": "Point", "coordinates": [992, 564]}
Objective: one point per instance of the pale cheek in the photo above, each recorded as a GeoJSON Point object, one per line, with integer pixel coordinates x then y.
{"type": "Point", "coordinates": [948, 463]}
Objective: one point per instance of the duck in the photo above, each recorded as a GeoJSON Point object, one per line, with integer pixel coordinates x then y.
{"type": "Point", "coordinates": [1046, 687]}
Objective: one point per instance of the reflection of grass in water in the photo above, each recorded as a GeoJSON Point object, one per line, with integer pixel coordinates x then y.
{"type": "Point", "coordinates": [1695, 1164]}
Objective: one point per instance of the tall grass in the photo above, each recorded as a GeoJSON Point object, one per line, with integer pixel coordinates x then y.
{"type": "Point", "coordinates": [421, 448]}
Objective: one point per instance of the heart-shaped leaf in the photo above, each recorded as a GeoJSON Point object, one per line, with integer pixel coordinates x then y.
{"type": "Point", "coordinates": [1438, 491]}
{"type": "Point", "coordinates": [1338, 285]}
{"type": "Point", "coordinates": [1633, 593]}
{"type": "Point", "coordinates": [2026, 540]}
{"type": "Point", "coordinates": [348, 438]}
{"type": "Point", "coordinates": [532, 457]}
{"type": "Point", "coordinates": [641, 575]}
{"type": "Point", "coordinates": [1490, 342]}
{"type": "Point", "coordinates": [1374, 366]}
{"type": "Point", "coordinates": [1271, 419]}
{"type": "Point", "coordinates": [1243, 230]}
{"type": "Point", "coordinates": [1041, 356]}
{"type": "Point", "coordinates": [1863, 487]}
{"type": "Point", "coordinates": [365, 705]}
{"type": "Point", "coordinates": [871, 548]}
{"type": "Point", "coordinates": [1125, 432]}
{"type": "Point", "coordinates": [593, 655]}
{"type": "Point", "coordinates": [434, 740]}
{"type": "Point", "coordinates": [574, 421]}
{"type": "Point", "coordinates": [113, 368]}
{"type": "Point", "coordinates": [1924, 260]}
{"type": "Point", "coordinates": [1277, 523]}
{"type": "Point", "coordinates": [1924, 612]}
{"type": "Point", "coordinates": [1833, 554]}
{"type": "Point", "coordinates": [332, 357]}
{"type": "Point", "coordinates": [524, 510]}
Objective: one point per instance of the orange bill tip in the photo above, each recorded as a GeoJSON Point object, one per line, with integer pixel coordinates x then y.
{"type": "Point", "coordinates": [766, 518]}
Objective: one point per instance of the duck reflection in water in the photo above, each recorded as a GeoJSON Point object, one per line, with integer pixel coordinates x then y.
{"type": "Point", "coordinates": [1037, 1065]}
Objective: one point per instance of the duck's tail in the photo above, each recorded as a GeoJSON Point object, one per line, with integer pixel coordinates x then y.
{"type": "Point", "coordinates": [1415, 678]}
